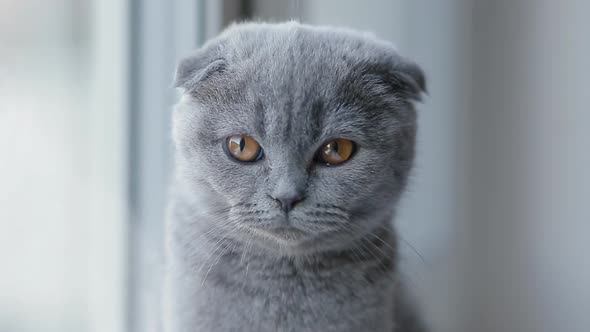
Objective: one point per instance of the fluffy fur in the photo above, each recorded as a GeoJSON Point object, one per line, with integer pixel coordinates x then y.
{"type": "Point", "coordinates": [236, 260]}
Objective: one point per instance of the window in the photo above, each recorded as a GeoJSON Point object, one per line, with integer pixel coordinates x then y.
{"type": "Point", "coordinates": [62, 170]}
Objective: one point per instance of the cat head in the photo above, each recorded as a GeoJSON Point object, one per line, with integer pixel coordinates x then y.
{"type": "Point", "coordinates": [296, 138]}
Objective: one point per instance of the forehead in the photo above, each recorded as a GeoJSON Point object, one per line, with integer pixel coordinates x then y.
{"type": "Point", "coordinates": [295, 110]}
{"type": "Point", "coordinates": [297, 85]}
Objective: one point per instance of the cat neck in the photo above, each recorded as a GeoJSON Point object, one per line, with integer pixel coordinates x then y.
{"type": "Point", "coordinates": [371, 257]}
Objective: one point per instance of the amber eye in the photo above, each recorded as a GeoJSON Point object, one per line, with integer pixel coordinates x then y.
{"type": "Point", "coordinates": [244, 148]}
{"type": "Point", "coordinates": [337, 151]}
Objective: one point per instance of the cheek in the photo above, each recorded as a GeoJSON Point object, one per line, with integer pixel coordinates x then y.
{"type": "Point", "coordinates": [235, 181]}
{"type": "Point", "coordinates": [346, 185]}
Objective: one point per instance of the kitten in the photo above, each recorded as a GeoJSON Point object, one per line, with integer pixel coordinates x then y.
{"type": "Point", "coordinates": [293, 145]}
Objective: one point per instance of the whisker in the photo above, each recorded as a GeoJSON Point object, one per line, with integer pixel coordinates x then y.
{"type": "Point", "coordinates": [247, 212]}
{"type": "Point", "coordinates": [379, 257]}
{"type": "Point", "coordinates": [326, 213]}
{"type": "Point", "coordinates": [414, 250]}
{"type": "Point", "coordinates": [247, 205]}
{"type": "Point", "coordinates": [409, 245]}
{"type": "Point", "coordinates": [376, 237]}
{"type": "Point", "coordinates": [209, 213]}
{"type": "Point", "coordinates": [246, 248]}
{"type": "Point", "coordinates": [255, 219]}
{"type": "Point", "coordinates": [212, 251]}
{"type": "Point", "coordinates": [223, 252]}
{"type": "Point", "coordinates": [216, 227]}
{"type": "Point", "coordinates": [328, 206]}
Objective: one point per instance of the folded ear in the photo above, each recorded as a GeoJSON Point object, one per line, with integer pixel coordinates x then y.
{"type": "Point", "coordinates": [397, 75]}
{"type": "Point", "coordinates": [198, 67]}
{"type": "Point", "coordinates": [403, 77]}
{"type": "Point", "coordinates": [411, 79]}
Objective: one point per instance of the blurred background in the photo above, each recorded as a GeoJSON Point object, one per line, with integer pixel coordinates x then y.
{"type": "Point", "coordinates": [495, 226]}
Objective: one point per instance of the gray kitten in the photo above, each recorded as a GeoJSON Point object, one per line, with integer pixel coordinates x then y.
{"type": "Point", "coordinates": [293, 145]}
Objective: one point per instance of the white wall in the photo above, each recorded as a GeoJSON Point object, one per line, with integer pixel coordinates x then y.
{"type": "Point", "coordinates": [530, 163]}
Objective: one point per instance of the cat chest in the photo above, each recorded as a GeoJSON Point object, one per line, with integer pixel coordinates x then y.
{"type": "Point", "coordinates": [298, 304]}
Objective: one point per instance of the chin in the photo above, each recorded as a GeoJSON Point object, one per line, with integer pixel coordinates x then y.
{"type": "Point", "coordinates": [293, 242]}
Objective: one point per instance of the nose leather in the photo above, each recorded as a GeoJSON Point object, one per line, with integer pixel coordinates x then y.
{"type": "Point", "coordinates": [288, 202]}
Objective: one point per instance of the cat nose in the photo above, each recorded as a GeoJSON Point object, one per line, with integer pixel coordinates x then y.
{"type": "Point", "coordinates": [288, 202]}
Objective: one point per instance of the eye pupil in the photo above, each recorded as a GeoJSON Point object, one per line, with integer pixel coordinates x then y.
{"type": "Point", "coordinates": [337, 151]}
{"type": "Point", "coordinates": [243, 148]}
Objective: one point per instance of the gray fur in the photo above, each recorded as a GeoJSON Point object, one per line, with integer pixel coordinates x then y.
{"type": "Point", "coordinates": [291, 87]}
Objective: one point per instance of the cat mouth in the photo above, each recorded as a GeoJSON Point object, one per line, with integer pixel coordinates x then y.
{"type": "Point", "coordinates": [288, 235]}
